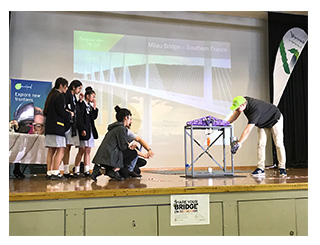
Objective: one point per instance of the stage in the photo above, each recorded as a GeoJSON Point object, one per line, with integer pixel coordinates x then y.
{"type": "Point", "coordinates": [142, 206]}
{"type": "Point", "coordinates": [153, 182]}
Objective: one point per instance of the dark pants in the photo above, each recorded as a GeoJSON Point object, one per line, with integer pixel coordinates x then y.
{"type": "Point", "coordinates": [128, 156]}
{"type": "Point", "coordinates": [140, 163]}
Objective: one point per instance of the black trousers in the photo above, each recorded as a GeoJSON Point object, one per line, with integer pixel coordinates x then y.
{"type": "Point", "coordinates": [140, 163]}
{"type": "Point", "coordinates": [128, 156]}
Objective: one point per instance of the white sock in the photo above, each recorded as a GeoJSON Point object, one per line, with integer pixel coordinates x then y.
{"type": "Point", "coordinates": [55, 172]}
{"type": "Point", "coordinates": [49, 173]}
{"type": "Point", "coordinates": [76, 169]}
{"type": "Point", "coordinates": [66, 169]}
{"type": "Point", "coordinates": [86, 168]}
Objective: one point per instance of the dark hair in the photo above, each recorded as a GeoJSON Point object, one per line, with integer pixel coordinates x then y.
{"type": "Point", "coordinates": [75, 84]}
{"type": "Point", "coordinates": [59, 81]}
{"type": "Point", "coordinates": [89, 91]}
{"type": "Point", "coordinates": [122, 113]}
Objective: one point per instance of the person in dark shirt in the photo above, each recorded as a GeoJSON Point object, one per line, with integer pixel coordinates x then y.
{"type": "Point", "coordinates": [266, 117]}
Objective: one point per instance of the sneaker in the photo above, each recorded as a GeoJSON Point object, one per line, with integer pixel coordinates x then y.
{"type": "Point", "coordinates": [86, 174]}
{"type": "Point", "coordinates": [282, 172]}
{"type": "Point", "coordinates": [258, 172]}
{"type": "Point", "coordinates": [133, 174]}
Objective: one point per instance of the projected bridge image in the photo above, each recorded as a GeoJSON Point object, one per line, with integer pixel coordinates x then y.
{"type": "Point", "coordinates": [189, 72]}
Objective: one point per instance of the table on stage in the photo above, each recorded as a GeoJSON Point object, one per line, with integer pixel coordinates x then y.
{"type": "Point", "coordinates": [27, 148]}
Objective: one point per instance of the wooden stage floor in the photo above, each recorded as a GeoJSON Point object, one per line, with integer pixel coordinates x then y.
{"type": "Point", "coordinates": [153, 182]}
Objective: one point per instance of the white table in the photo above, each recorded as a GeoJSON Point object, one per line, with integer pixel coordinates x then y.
{"type": "Point", "coordinates": [27, 148]}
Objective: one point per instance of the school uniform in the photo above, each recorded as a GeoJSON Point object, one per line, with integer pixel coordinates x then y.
{"type": "Point", "coordinates": [55, 117]}
{"type": "Point", "coordinates": [72, 134]}
{"type": "Point", "coordinates": [85, 122]}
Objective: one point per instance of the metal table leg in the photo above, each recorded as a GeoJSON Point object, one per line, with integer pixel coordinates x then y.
{"type": "Point", "coordinates": [185, 151]}
{"type": "Point", "coordinates": [231, 137]}
{"type": "Point", "coordinates": [224, 150]}
{"type": "Point", "coordinates": [192, 165]}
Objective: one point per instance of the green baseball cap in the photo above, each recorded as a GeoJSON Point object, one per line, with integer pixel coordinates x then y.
{"type": "Point", "coordinates": [237, 101]}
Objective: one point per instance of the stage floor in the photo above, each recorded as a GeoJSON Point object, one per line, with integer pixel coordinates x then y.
{"type": "Point", "coordinates": [153, 182]}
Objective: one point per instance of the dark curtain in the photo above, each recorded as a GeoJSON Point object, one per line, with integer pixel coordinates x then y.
{"type": "Point", "coordinates": [294, 102]}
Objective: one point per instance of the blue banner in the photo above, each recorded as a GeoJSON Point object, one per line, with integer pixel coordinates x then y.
{"type": "Point", "coordinates": [26, 95]}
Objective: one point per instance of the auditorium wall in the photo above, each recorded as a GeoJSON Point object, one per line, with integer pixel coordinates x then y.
{"type": "Point", "coordinates": [42, 48]}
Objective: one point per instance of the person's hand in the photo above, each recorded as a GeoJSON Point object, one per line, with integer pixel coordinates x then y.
{"type": "Point", "coordinates": [150, 153]}
{"type": "Point", "coordinates": [145, 155]}
{"type": "Point", "coordinates": [14, 124]}
{"type": "Point", "coordinates": [83, 133]}
{"type": "Point", "coordinates": [81, 96]}
{"type": "Point", "coordinates": [94, 104]}
{"type": "Point", "coordinates": [235, 147]}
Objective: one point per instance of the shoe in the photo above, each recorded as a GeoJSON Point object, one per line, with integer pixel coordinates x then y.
{"type": "Point", "coordinates": [114, 175]}
{"type": "Point", "coordinates": [77, 175]}
{"type": "Point", "coordinates": [96, 172]}
{"type": "Point", "coordinates": [70, 176]}
{"type": "Point", "coordinates": [48, 176]}
{"type": "Point", "coordinates": [86, 174]}
{"type": "Point", "coordinates": [134, 174]}
{"type": "Point", "coordinates": [258, 172]}
{"type": "Point", "coordinates": [57, 177]}
{"type": "Point", "coordinates": [282, 172]}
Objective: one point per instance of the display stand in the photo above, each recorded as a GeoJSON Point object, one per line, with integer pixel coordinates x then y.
{"type": "Point", "coordinates": [189, 131]}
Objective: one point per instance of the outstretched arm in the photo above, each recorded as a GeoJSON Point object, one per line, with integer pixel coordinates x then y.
{"type": "Point", "coordinates": [246, 133]}
{"type": "Point", "coordinates": [234, 116]}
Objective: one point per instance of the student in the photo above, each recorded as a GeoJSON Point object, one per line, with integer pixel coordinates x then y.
{"type": "Point", "coordinates": [88, 112]}
{"type": "Point", "coordinates": [55, 141]}
{"type": "Point", "coordinates": [72, 135]}
{"type": "Point", "coordinates": [114, 153]}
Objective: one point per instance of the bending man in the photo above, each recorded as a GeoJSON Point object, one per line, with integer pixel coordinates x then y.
{"type": "Point", "coordinates": [266, 117]}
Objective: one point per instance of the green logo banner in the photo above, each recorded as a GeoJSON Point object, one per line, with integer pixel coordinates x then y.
{"type": "Point", "coordinates": [288, 53]}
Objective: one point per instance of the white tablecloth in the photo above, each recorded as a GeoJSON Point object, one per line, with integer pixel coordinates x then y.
{"type": "Point", "coordinates": [27, 148]}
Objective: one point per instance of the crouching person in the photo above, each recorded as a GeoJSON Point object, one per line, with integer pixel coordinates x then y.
{"type": "Point", "coordinates": [114, 153]}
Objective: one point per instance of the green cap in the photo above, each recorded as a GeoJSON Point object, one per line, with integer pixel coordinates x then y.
{"type": "Point", "coordinates": [237, 101]}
